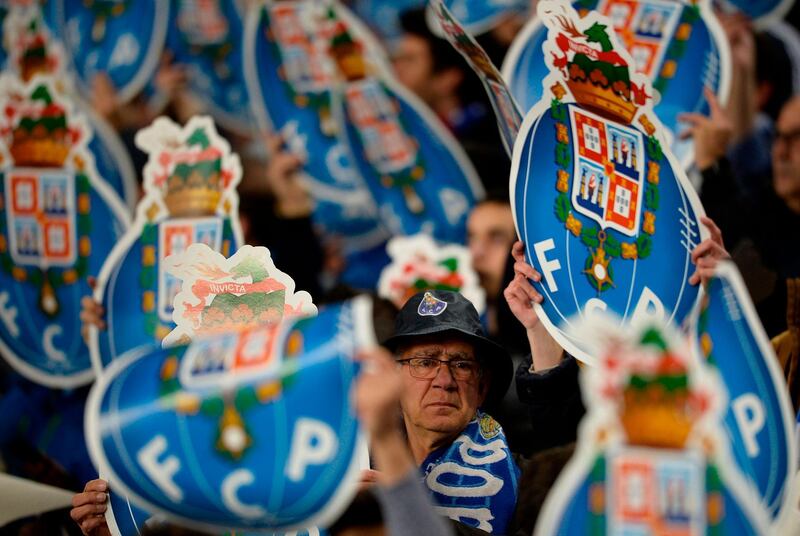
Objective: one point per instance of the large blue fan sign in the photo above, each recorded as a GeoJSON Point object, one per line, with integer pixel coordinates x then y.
{"type": "Point", "coordinates": [680, 47]}
{"type": "Point", "coordinates": [607, 217]}
{"type": "Point", "coordinates": [289, 76]}
{"type": "Point", "coordinates": [190, 184]}
{"type": "Point", "coordinates": [58, 222]}
{"type": "Point", "coordinates": [206, 38]}
{"type": "Point", "coordinates": [248, 431]}
{"type": "Point", "coordinates": [759, 419]}
{"type": "Point", "coordinates": [122, 39]}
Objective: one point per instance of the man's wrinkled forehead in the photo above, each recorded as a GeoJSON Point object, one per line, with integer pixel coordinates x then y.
{"type": "Point", "coordinates": [436, 344]}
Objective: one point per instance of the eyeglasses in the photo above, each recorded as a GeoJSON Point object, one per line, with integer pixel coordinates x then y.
{"type": "Point", "coordinates": [426, 368]}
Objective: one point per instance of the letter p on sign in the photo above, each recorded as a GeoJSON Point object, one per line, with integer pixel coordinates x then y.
{"type": "Point", "coordinates": [313, 443]}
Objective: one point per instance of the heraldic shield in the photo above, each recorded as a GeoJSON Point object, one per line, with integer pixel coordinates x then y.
{"type": "Point", "coordinates": [190, 185]}
{"type": "Point", "coordinates": [607, 216]}
{"type": "Point", "coordinates": [58, 221]}
{"type": "Point", "coordinates": [679, 46]}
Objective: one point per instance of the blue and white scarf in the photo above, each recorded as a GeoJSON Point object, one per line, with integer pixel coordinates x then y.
{"type": "Point", "coordinates": [474, 479]}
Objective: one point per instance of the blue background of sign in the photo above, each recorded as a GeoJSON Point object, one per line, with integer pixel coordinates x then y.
{"type": "Point", "coordinates": [122, 299]}
{"type": "Point", "coordinates": [142, 24]}
{"type": "Point", "coordinates": [219, 84]}
{"type": "Point", "coordinates": [113, 166]}
{"type": "Point", "coordinates": [383, 16]}
{"type": "Point", "coordinates": [443, 217]}
{"type": "Point", "coordinates": [745, 370]}
{"type": "Point", "coordinates": [684, 92]}
{"type": "Point", "coordinates": [665, 271]}
{"type": "Point", "coordinates": [65, 329]}
{"type": "Point", "coordinates": [344, 206]}
{"type": "Point", "coordinates": [318, 387]}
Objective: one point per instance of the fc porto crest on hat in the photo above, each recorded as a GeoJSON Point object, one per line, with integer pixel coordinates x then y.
{"type": "Point", "coordinates": [248, 431]}
{"type": "Point", "coordinates": [678, 46]}
{"type": "Point", "coordinates": [190, 185]}
{"type": "Point", "coordinates": [606, 214]}
{"type": "Point", "coordinates": [121, 38]}
{"type": "Point", "coordinates": [430, 305]}
{"type": "Point", "coordinates": [51, 235]}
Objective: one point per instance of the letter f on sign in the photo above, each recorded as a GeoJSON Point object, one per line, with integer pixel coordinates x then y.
{"type": "Point", "coordinates": [313, 443]}
{"type": "Point", "coordinates": [547, 266]}
{"type": "Point", "coordinates": [161, 473]}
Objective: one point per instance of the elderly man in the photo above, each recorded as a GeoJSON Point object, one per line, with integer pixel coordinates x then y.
{"type": "Point", "coordinates": [450, 369]}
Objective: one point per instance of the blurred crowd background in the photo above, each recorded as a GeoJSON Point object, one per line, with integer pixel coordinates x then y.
{"type": "Point", "coordinates": [747, 173]}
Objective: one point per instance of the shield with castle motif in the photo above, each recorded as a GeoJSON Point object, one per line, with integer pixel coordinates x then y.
{"type": "Point", "coordinates": [679, 47]}
{"type": "Point", "coordinates": [419, 176]}
{"type": "Point", "coordinates": [481, 16]}
{"type": "Point", "coordinates": [32, 51]}
{"type": "Point", "coordinates": [121, 39]}
{"type": "Point", "coordinates": [248, 431]}
{"type": "Point", "coordinates": [759, 418]}
{"type": "Point", "coordinates": [652, 455]}
{"type": "Point", "coordinates": [290, 76]}
{"type": "Point", "coordinates": [51, 235]}
{"type": "Point", "coordinates": [205, 36]}
{"type": "Point", "coordinates": [190, 197]}
{"type": "Point", "coordinates": [607, 216]}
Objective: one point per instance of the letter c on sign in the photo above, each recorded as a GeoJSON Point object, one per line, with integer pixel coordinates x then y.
{"type": "Point", "coordinates": [231, 484]}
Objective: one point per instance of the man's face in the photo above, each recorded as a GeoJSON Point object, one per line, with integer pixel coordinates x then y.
{"type": "Point", "coordinates": [441, 404]}
{"type": "Point", "coordinates": [413, 65]}
{"type": "Point", "coordinates": [786, 152]}
{"type": "Point", "coordinates": [490, 234]}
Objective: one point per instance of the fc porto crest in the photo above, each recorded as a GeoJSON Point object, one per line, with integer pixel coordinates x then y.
{"type": "Point", "coordinates": [418, 264]}
{"type": "Point", "coordinates": [205, 36]}
{"type": "Point", "coordinates": [607, 216]}
{"type": "Point", "coordinates": [652, 456]}
{"type": "Point", "coordinates": [121, 38]}
{"type": "Point", "coordinates": [190, 197]}
{"type": "Point", "coordinates": [248, 431]}
{"type": "Point", "coordinates": [51, 238]}
{"type": "Point", "coordinates": [430, 305]}
{"type": "Point", "coordinates": [220, 295]}
{"type": "Point", "coordinates": [32, 51]}
{"type": "Point", "coordinates": [290, 78]}
{"type": "Point", "coordinates": [678, 46]}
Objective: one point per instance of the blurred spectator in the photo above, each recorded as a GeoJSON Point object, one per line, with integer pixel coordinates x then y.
{"type": "Point", "coordinates": [760, 228]}
{"type": "Point", "coordinates": [490, 234]}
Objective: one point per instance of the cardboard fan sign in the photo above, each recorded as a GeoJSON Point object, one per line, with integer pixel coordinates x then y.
{"type": "Point", "coordinates": [679, 47]}
{"type": "Point", "coordinates": [206, 38]}
{"type": "Point", "coordinates": [250, 430]}
{"type": "Point", "coordinates": [121, 39]}
{"type": "Point", "coordinates": [290, 76]}
{"type": "Point", "coordinates": [58, 222]}
{"type": "Point", "coordinates": [759, 419]}
{"type": "Point", "coordinates": [32, 51]}
{"type": "Point", "coordinates": [360, 130]}
{"type": "Point", "coordinates": [506, 110]}
{"type": "Point", "coordinates": [606, 213]}
{"type": "Point", "coordinates": [190, 197]}
{"type": "Point", "coordinates": [652, 456]}
{"type": "Point", "coordinates": [419, 264]}
{"type": "Point", "coordinates": [479, 16]}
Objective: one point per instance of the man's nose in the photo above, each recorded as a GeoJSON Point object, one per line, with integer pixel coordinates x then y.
{"type": "Point", "coordinates": [444, 377]}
